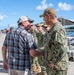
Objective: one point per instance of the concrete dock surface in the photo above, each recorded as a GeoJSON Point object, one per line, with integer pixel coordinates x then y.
{"type": "Point", "coordinates": [4, 72]}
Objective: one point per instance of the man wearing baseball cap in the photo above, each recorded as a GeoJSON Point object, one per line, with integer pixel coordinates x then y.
{"type": "Point", "coordinates": [49, 11]}
{"type": "Point", "coordinates": [46, 28]}
{"type": "Point", "coordinates": [55, 45]}
{"type": "Point", "coordinates": [18, 44]}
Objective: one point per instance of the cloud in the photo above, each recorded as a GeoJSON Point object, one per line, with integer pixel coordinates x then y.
{"type": "Point", "coordinates": [2, 17]}
{"type": "Point", "coordinates": [44, 5]}
{"type": "Point", "coordinates": [57, 9]}
{"type": "Point", "coordinates": [51, 5]}
{"type": "Point", "coordinates": [61, 6]}
{"type": "Point", "coordinates": [65, 6]}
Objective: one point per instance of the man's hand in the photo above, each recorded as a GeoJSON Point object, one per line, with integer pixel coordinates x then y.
{"type": "Point", "coordinates": [35, 53]}
{"type": "Point", "coordinates": [5, 65]}
{"type": "Point", "coordinates": [36, 68]}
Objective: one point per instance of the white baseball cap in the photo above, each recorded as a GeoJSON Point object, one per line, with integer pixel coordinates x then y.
{"type": "Point", "coordinates": [24, 18]}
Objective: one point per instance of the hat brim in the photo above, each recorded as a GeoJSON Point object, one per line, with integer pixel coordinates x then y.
{"type": "Point", "coordinates": [30, 20]}
{"type": "Point", "coordinates": [44, 26]}
{"type": "Point", "coordinates": [42, 15]}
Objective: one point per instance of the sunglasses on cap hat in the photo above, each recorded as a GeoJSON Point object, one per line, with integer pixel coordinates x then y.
{"type": "Point", "coordinates": [44, 27]}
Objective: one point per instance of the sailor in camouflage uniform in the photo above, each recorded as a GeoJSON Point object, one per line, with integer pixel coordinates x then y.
{"type": "Point", "coordinates": [34, 60]}
{"type": "Point", "coordinates": [34, 32]}
{"type": "Point", "coordinates": [42, 60]}
{"type": "Point", "coordinates": [55, 45]}
{"type": "Point", "coordinates": [46, 29]}
{"type": "Point", "coordinates": [40, 35]}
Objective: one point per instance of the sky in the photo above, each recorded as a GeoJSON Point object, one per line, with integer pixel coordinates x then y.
{"type": "Point", "coordinates": [11, 10]}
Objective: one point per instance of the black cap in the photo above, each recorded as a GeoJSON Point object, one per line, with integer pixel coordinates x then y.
{"type": "Point", "coordinates": [30, 20]}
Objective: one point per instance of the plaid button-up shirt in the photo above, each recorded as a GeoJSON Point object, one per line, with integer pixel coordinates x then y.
{"type": "Point", "coordinates": [18, 43]}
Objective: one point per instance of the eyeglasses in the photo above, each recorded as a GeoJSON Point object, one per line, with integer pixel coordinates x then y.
{"type": "Point", "coordinates": [38, 26]}
{"type": "Point", "coordinates": [44, 27]}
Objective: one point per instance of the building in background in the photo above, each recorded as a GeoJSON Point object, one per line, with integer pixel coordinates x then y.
{"type": "Point", "coordinates": [65, 21]}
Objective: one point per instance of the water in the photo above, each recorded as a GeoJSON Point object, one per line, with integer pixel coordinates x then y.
{"type": "Point", "coordinates": [70, 33]}
{"type": "Point", "coordinates": [70, 36]}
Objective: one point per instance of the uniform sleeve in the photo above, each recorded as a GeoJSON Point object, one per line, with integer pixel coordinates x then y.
{"type": "Point", "coordinates": [31, 42]}
{"type": "Point", "coordinates": [58, 45]}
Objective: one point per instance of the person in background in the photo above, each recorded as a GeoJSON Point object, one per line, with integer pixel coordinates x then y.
{"type": "Point", "coordinates": [40, 35]}
{"type": "Point", "coordinates": [11, 28]}
{"type": "Point", "coordinates": [34, 32]}
{"type": "Point", "coordinates": [34, 60]}
{"type": "Point", "coordinates": [7, 31]}
{"type": "Point", "coordinates": [41, 58]}
{"type": "Point", "coordinates": [39, 27]}
{"type": "Point", "coordinates": [18, 44]}
{"type": "Point", "coordinates": [0, 32]}
{"type": "Point", "coordinates": [46, 28]}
